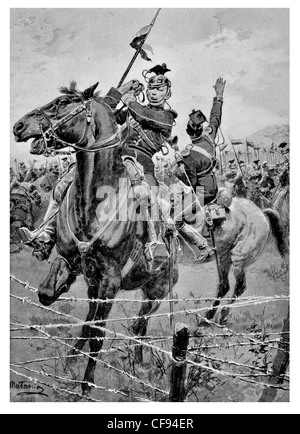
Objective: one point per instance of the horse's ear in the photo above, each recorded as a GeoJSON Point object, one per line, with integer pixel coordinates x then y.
{"type": "Point", "coordinates": [173, 141]}
{"type": "Point", "coordinates": [89, 92]}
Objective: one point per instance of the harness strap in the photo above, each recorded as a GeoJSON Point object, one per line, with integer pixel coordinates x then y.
{"type": "Point", "coordinates": [202, 151]}
{"type": "Point", "coordinates": [99, 232]}
{"type": "Point", "coordinates": [137, 148]}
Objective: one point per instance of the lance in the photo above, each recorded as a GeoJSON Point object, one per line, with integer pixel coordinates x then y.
{"type": "Point", "coordinates": [221, 162]}
{"type": "Point", "coordinates": [226, 160]}
{"type": "Point", "coordinates": [138, 50]}
{"type": "Point", "coordinates": [247, 150]}
{"type": "Point", "coordinates": [236, 157]}
{"type": "Point", "coordinates": [17, 166]}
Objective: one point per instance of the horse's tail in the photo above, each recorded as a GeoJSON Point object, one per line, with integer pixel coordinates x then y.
{"type": "Point", "coordinates": [277, 231]}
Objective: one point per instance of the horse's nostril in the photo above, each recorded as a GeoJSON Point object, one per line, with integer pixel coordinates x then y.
{"type": "Point", "coordinates": [18, 128]}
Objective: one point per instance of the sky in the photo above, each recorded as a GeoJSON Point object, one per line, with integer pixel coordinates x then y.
{"type": "Point", "coordinates": [249, 48]}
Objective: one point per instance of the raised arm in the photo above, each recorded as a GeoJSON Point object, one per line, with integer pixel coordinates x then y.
{"type": "Point", "coordinates": [216, 111]}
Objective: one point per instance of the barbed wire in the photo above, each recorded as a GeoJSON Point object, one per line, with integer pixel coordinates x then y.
{"type": "Point", "coordinates": [137, 317]}
{"type": "Point", "coordinates": [242, 365]}
{"type": "Point", "coordinates": [104, 338]}
{"type": "Point", "coordinates": [257, 298]}
{"type": "Point", "coordinates": [94, 324]}
{"type": "Point", "coordinates": [99, 361]}
{"type": "Point", "coordinates": [168, 353]}
{"type": "Point", "coordinates": [233, 345]}
{"type": "Point", "coordinates": [234, 333]}
{"type": "Point", "coordinates": [237, 376]}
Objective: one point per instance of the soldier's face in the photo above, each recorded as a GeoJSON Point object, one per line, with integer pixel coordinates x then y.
{"type": "Point", "coordinates": [156, 96]}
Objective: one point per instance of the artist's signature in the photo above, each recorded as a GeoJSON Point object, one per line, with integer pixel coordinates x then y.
{"type": "Point", "coordinates": [24, 388]}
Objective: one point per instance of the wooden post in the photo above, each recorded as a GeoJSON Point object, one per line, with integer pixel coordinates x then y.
{"type": "Point", "coordinates": [178, 369]}
{"type": "Point", "coordinates": [280, 363]}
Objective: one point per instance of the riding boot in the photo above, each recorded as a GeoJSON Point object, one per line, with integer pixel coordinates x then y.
{"type": "Point", "coordinates": [195, 238]}
{"type": "Point", "coordinates": [42, 239]}
{"type": "Point", "coordinates": [156, 251]}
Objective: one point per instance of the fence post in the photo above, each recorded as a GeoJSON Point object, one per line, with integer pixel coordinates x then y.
{"type": "Point", "coordinates": [178, 368]}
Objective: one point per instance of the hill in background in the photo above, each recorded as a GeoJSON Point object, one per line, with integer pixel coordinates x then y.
{"type": "Point", "coordinates": [271, 134]}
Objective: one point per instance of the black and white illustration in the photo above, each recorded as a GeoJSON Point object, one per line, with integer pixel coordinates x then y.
{"type": "Point", "coordinates": [149, 205]}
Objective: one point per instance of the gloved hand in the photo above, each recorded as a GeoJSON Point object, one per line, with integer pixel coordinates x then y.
{"type": "Point", "coordinates": [219, 87]}
{"type": "Point", "coordinates": [132, 85]}
{"type": "Point", "coordinates": [128, 97]}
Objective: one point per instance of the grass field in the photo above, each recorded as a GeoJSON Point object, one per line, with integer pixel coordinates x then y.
{"type": "Point", "coordinates": [267, 277]}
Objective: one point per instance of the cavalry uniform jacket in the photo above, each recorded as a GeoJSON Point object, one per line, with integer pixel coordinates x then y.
{"type": "Point", "coordinates": [147, 135]}
{"type": "Point", "coordinates": [199, 163]}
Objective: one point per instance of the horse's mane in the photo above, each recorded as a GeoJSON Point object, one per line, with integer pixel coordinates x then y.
{"type": "Point", "coordinates": [72, 90]}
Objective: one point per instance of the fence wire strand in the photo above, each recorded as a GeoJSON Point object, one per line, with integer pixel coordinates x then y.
{"type": "Point", "coordinates": [41, 328]}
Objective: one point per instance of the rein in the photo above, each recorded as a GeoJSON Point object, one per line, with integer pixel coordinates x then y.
{"type": "Point", "coordinates": [83, 246]}
{"type": "Point", "coordinates": [50, 134]}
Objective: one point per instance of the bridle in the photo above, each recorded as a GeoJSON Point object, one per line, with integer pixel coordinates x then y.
{"type": "Point", "coordinates": [50, 133]}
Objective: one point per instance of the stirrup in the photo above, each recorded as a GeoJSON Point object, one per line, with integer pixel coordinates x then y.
{"type": "Point", "coordinates": [35, 238]}
{"type": "Point", "coordinates": [156, 252]}
{"type": "Point", "coordinates": [206, 253]}
{"type": "Point", "coordinates": [26, 235]}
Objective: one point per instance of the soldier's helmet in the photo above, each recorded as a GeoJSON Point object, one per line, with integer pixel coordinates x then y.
{"type": "Point", "coordinates": [194, 126]}
{"type": "Point", "coordinates": [158, 80]}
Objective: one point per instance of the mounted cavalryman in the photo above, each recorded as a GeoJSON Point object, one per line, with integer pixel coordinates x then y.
{"type": "Point", "coordinates": [198, 161]}
{"type": "Point", "coordinates": [145, 129]}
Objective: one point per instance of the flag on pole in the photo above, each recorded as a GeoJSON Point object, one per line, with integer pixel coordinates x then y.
{"type": "Point", "coordinates": [236, 142]}
{"type": "Point", "coordinates": [139, 40]}
{"type": "Point", "coordinates": [222, 147]}
{"type": "Point", "coordinates": [249, 144]}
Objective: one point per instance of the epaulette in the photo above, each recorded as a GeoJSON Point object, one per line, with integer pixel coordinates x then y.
{"type": "Point", "coordinates": [174, 113]}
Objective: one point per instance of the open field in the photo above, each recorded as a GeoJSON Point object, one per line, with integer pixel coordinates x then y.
{"type": "Point", "coordinates": [267, 277]}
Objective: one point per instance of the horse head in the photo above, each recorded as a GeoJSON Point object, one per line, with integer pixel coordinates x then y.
{"type": "Point", "coordinates": [61, 122]}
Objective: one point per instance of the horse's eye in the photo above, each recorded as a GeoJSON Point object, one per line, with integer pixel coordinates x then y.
{"type": "Point", "coordinates": [63, 101]}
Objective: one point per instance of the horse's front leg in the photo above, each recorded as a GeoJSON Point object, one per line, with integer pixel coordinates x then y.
{"type": "Point", "coordinates": [96, 335]}
{"type": "Point", "coordinates": [155, 290]}
{"type": "Point", "coordinates": [239, 289]}
{"type": "Point", "coordinates": [85, 331]}
{"type": "Point", "coordinates": [139, 327]}
{"type": "Point", "coordinates": [223, 288]}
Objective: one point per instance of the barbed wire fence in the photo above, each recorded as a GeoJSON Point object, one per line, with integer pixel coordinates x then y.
{"type": "Point", "coordinates": [196, 355]}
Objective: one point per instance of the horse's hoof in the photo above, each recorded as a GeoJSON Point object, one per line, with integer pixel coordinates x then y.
{"type": "Point", "coordinates": [86, 389]}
